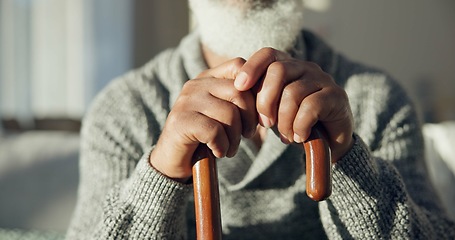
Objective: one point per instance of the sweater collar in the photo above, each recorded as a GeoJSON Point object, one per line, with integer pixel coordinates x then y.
{"type": "Point", "coordinates": [193, 60]}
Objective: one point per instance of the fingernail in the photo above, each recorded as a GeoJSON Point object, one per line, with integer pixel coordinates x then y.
{"type": "Point", "coordinates": [265, 121]}
{"type": "Point", "coordinates": [297, 138]}
{"type": "Point", "coordinates": [240, 80]}
{"type": "Point", "coordinates": [284, 139]}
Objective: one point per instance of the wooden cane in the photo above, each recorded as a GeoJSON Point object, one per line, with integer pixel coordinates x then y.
{"type": "Point", "coordinates": [205, 181]}
{"type": "Point", "coordinates": [206, 195]}
{"type": "Point", "coordinates": [318, 165]}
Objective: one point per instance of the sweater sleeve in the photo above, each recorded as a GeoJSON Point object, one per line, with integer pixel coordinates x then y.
{"type": "Point", "coordinates": [120, 195]}
{"type": "Point", "coordinates": [380, 187]}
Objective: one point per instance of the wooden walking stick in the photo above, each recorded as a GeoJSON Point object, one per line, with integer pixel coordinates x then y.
{"type": "Point", "coordinates": [206, 195]}
{"type": "Point", "coordinates": [205, 181]}
{"type": "Point", "coordinates": [318, 165]}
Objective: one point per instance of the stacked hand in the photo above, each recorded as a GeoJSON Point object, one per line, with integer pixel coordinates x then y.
{"type": "Point", "coordinates": [228, 101]}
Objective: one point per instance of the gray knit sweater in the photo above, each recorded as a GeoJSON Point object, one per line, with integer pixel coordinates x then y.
{"type": "Point", "coordinates": [380, 187]}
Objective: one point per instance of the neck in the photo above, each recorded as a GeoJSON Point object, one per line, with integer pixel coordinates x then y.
{"type": "Point", "coordinates": [211, 58]}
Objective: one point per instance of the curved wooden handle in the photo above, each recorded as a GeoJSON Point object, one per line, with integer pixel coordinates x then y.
{"type": "Point", "coordinates": [206, 192]}
{"type": "Point", "coordinates": [318, 165]}
{"type": "Point", "coordinates": [206, 195]}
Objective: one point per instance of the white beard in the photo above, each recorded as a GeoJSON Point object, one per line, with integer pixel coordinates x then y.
{"type": "Point", "coordinates": [239, 31]}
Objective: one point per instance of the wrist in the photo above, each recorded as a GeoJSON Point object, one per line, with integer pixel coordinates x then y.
{"type": "Point", "coordinates": [163, 163]}
{"type": "Point", "coordinates": [342, 152]}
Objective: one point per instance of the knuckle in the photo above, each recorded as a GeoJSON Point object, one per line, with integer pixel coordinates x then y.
{"type": "Point", "coordinates": [277, 69]}
{"type": "Point", "coordinates": [269, 52]}
{"type": "Point", "coordinates": [310, 107]}
{"type": "Point", "coordinates": [328, 77]}
{"type": "Point", "coordinates": [189, 85]}
{"type": "Point", "coordinates": [338, 93]}
{"type": "Point", "coordinates": [172, 119]}
{"type": "Point", "coordinates": [233, 93]}
{"type": "Point", "coordinates": [343, 94]}
{"type": "Point", "coordinates": [237, 62]}
{"type": "Point", "coordinates": [232, 110]}
{"type": "Point", "coordinates": [288, 93]}
{"type": "Point", "coordinates": [313, 65]}
{"type": "Point", "coordinates": [236, 97]}
{"type": "Point", "coordinates": [209, 130]}
{"type": "Point", "coordinates": [293, 92]}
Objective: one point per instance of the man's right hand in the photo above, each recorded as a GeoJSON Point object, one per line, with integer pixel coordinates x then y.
{"type": "Point", "coordinates": [209, 110]}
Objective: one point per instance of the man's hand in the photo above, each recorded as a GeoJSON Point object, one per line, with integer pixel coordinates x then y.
{"type": "Point", "coordinates": [288, 94]}
{"type": "Point", "coordinates": [294, 95]}
{"type": "Point", "coordinates": [208, 110]}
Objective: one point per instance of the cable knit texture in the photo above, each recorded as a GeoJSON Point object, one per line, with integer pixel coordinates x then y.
{"type": "Point", "coordinates": [380, 187]}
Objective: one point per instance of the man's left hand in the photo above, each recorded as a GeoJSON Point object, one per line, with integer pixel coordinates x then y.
{"type": "Point", "coordinates": [293, 95]}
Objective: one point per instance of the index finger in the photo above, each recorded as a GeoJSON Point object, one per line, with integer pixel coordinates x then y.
{"type": "Point", "coordinates": [256, 66]}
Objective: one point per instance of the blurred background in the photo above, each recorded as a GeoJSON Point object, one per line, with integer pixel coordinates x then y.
{"type": "Point", "coordinates": [56, 55]}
